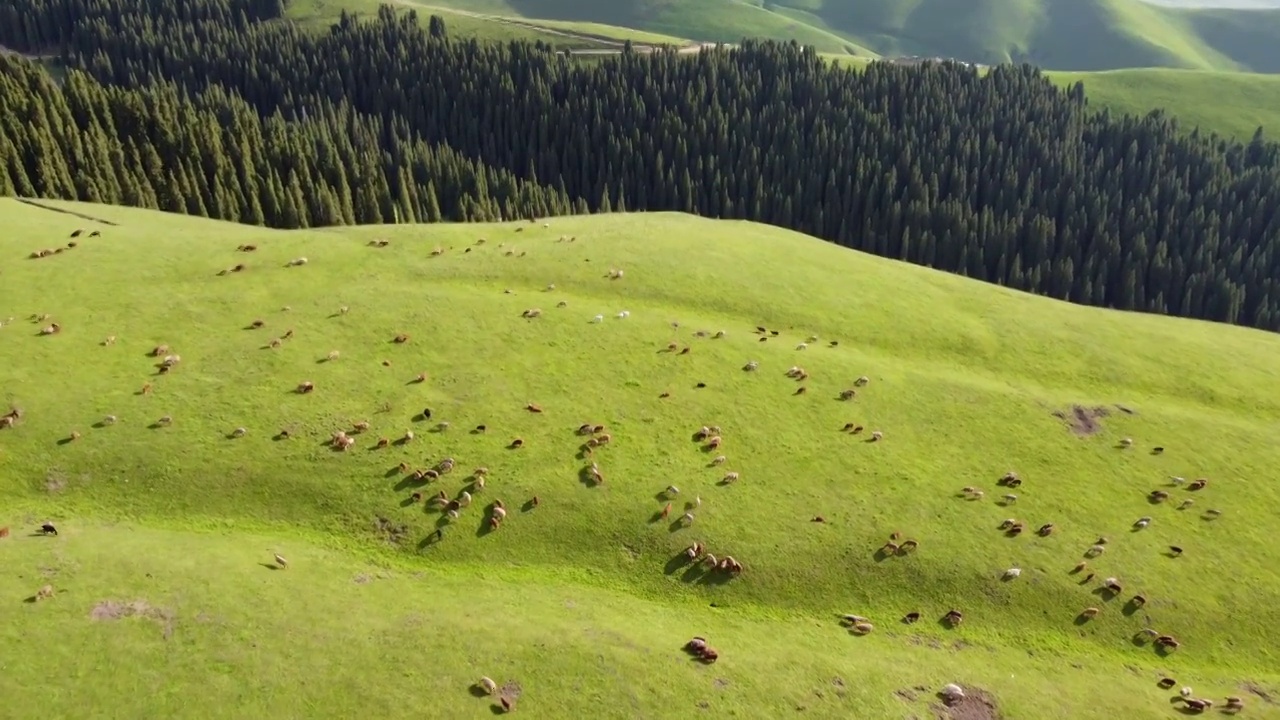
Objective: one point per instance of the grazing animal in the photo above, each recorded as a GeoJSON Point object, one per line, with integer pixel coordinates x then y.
{"type": "Point", "coordinates": [298, 262]}
{"type": "Point", "coordinates": [730, 477]}
{"type": "Point", "coordinates": [848, 394]}
{"type": "Point", "coordinates": [1127, 442]}
{"type": "Point", "coordinates": [862, 628]}
{"type": "Point", "coordinates": [1045, 530]}
{"type": "Point", "coordinates": [714, 442]}
{"type": "Point", "coordinates": [1089, 613]}
{"type": "Point", "coordinates": [146, 388]}
{"type": "Point", "coordinates": [256, 324]}
{"type": "Point", "coordinates": [750, 366]}
{"type": "Point", "coordinates": [910, 617]}
{"type": "Point", "coordinates": [1234, 703]}
{"type": "Point", "coordinates": [333, 355]}
{"type": "Point", "coordinates": [1198, 484]}
{"type": "Point", "coordinates": [1080, 566]}
{"type": "Point", "coordinates": [400, 339]}
{"type": "Point", "coordinates": [239, 432]}
{"type": "Point", "coordinates": [489, 686]}
{"type": "Point", "coordinates": [1175, 550]}
{"type": "Point", "coordinates": [1167, 683]}
{"type": "Point", "coordinates": [876, 436]}
{"type": "Point", "coordinates": [1158, 496]}
{"type": "Point", "coordinates": [908, 546]}
{"type": "Point", "coordinates": [533, 408]}
{"type": "Point", "coordinates": [1186, 504]}
{"type": "Point", "coordinates": [306, 387]}
{"type": "Point", "coordinates": [48, 529]}
{"type": "Point", "coordinates": [1012, 573]}
{"type": "Point", "coordinates": [693, 551]}
{"type": "Point", "coordinates": [718, 460]}
{"type": "Point", "coordinates": [860, 381]}
{"type": "Point", "coordinates": [382, 442]}
{"type": "Point", "coordinates": [44, 593]}
{"type": "Point", "coordinates": [1157, 450]}
{"type": "Point", "coordinates": [1142, 522]}
{"type": "Point", "coordinates": [281, 561]}
{"type": "Point", "coordinates": [953, 617]}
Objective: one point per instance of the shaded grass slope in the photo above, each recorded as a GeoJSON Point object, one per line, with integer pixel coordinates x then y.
{"type": "Point", "coordinates": [587, 596]}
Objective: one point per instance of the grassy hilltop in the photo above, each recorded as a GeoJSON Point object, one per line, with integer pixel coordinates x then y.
{"type": "Point", "coordinates": [166, 603]}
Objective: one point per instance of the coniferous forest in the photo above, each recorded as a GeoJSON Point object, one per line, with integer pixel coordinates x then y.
{"type": "Point", "coordinates": [219, 108]}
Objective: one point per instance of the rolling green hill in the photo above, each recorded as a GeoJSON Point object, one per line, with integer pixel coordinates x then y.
{"type": "Point", "coordinates": [1230, 104]}
{"type": "Point", "coordinates": [164, 602]}
{"type": "Point", "coordinates": [1056, 34]}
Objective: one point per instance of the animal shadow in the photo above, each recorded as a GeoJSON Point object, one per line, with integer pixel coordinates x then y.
{"type": "Point", "coordinates": [477, 691]}
{"type": "Point", "coordinates": [66, 441]}
{"type": "Point", "coordinates": [99, 425]}
{"type": "Point", "coordinates": [676, 562]}
{"type": "Point", "coordinates": [676, 526]}
{"type": "Point", "coordinates": [270, 566]}
{"type": "Point", "coordinates": [1081, 620]}
{"type": "Point", "coordinates": [154, 426]}
{"type": "Point", "coordinates": [528, 505]}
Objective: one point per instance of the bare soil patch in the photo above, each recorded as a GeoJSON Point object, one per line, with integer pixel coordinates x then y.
{"type": "Point", "coordinates": [975, 705]}
{"type": "Point", "coordinates": [1260, 691]}
{"type": "Point", "coordinates": [115, 610]}
{"type": "Point", "coordinates": [1083, 421]}
{"type": "Point", "coordinates": [391, 532]}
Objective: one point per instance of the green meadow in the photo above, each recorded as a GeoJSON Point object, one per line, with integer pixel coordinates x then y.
{"type": "Point", "coordinates": [167, 601]}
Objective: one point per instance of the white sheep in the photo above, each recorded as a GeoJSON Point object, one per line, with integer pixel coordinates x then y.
{"type": "Point", "coordinates": [1012, 573]}
{"type": "Point", "coordinates": [464, 499]}
{"type": "Point", "coordinates": [598, 318]}
{"type": "Point", "coordinates": [877, 435]}
{"type": "Point", "coordinates": [239, 432]}
{"type": "Point", "coordinates": [862, 381]}
{"type": "Point", "coordinates": [297, 261]}
{"type": "Point", "coordinates": [802, 346]}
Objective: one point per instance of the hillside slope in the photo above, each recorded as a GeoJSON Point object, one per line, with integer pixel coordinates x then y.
{"type": "Point", "coordinates": [966, 382]}
{"type": "Point", "coordinates": [1056, 34]}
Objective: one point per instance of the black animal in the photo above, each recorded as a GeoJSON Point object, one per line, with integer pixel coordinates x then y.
{"type": "Point", "coordinates": [426, 413]}
{"type": "Point", "coordinates": [48, 529]}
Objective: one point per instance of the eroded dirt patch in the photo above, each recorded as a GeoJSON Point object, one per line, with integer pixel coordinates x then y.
{"type": "Point", "coordinates": [975, 705]}
{"type": "Point", "coordinates": [1083, 421]}
{"type": "Point", "coordinates": [114, 610]}
{"type": "Point", "coordinates": [394, 533]}
{"type": "Point", "coordinates": [1260, 691]}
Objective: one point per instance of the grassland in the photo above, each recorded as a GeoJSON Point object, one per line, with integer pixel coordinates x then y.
{"type": "Point", "coordinates": [1076, 35]}
{"type": "Point", "coordinates": [583, 600]}
{"type": "Point", "coordinates": [1230, 104]}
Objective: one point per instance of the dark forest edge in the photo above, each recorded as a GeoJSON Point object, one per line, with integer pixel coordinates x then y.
{"type": "Point", "coordinates": [209, 108]}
